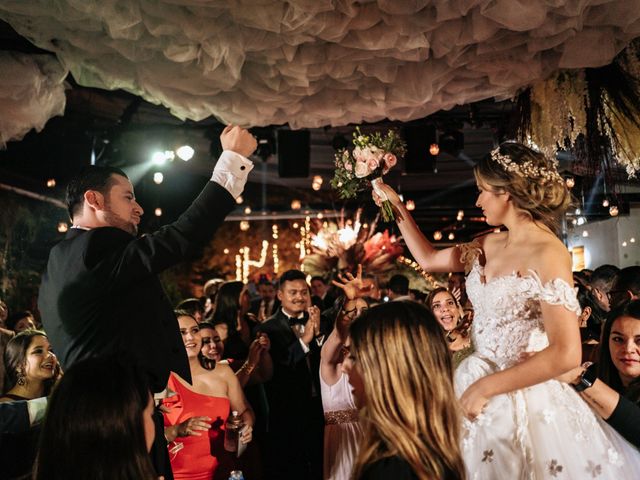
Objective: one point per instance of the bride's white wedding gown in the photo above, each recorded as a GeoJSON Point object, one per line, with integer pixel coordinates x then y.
{"type": "Point", "coordinates": [539, 432]}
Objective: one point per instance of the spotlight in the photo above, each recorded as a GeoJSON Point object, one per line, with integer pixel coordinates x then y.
{"type": "Point", "coordinates": [62, 227]}
{"type": "Point", "coordinates": [158, 177]}
{"type": "Point", "coordinates": [158, 212]}
{"type": "Point", "coordinates": [411, 205]}
{"type": "Point", "coordinates": [51, 182]}
{"type": "Point", "coordinates": [158, 158]}
{"type": "Point", "coordinates": [185, 153]}
{"type": "Point", "coordinates": [434, 149]}
{"type": "Point", "coordinates": [296, 205]}
{"type": "Point", "coordinates": [452, 236]}
{"type": "Point", "coordinates": [570, 182]}
{"type": "Point", "coordinates": [437, 235]}
{"type": "Point", "coordinates": [613, 210]}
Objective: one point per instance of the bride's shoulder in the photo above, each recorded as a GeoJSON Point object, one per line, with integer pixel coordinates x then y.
{"type": "Point", "coordinates": [551, 260]}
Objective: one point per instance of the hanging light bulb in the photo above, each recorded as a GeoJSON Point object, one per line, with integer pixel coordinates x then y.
{"type": "Point", "coordinates": [247, 210]}
{"type": "Point", "coordinates": [570, 182]}
{"type": "Point", "coordinates": [317, 182]}
{"type": "Point", "coordinates": [62, 227]}
{"type": "Point", "coordinates": [605, 202]}
{"type": "Point", "coordinates": [411, 205]}
{"type": "Point", "coordinates": [239, 200]}
{"type": "Point", "coordinates": [585, 234]}
{"type": "Point", "coordinates": [296, 204]}
{"type": "Point", "coordinates": [158, 177]}
{"type": "Point", "coordinates": [158, 212]}
{"type": "Point", "coordinates": [624, 244]}
{"type": "Point", "coordinates": [460, 215]}
{"type": "Point", "coordinates": [434, 149]}
{"type": "Point", "coordinates": [437, 235]}
{"type": "Point", "coordinates": [51, 182]}
{"type": "Point", "coordinates": [185, 152]}
{"type": "Point", "coordinates": [632, 240]}
{"type": "Point", "coordinates": [451, 236]}
{"type": "Point", "coordinates": [225, 251]}
{"type": "Point", "coordinates": [244, 225]}
{"type": "Point", "coordinates": [613, 210]}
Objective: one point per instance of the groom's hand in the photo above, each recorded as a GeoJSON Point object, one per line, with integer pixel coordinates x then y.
{"type": "Point", "coordinates": [238, 140]}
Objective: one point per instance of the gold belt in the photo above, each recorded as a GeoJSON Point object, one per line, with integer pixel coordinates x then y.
{"type": "Point", "coordinates": [340, 416]}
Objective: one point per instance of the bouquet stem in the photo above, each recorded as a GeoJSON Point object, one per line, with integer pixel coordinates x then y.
{"type": "Point", "coordinates": [387, 211]}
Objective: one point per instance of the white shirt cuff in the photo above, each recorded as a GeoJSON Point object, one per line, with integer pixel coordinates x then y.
{"type": "Point", "coordinates": [37, 408]}
{"type": "Point", "coordinates": [231, 172]}
{"type": "Point", "coordinates": [305, 347]}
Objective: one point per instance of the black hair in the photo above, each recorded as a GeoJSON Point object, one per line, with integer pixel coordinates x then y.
{"type": "Point", "coordinates": [94, 426]}
{"type": "Point", "coordinates": [93, 177]}
{"type": "Point", "coordinates": [13, 319]}
{"type": "Point", "coordinates": [318, 277]}
{"type": "Point", "coordinates": [291, 276]}
{"type": "Point", "coordinates": [603, 276]}
{"type": "Point", "coordinates": [399, 284]}
{"type": "Point", "coordinates": [628, 279]}
{"type": "Point", "coordinates": [228, 306]}
{"type": "Point", "coordinates": [607, 371]}
{"type": "Point", "coordinates": [191, 305]}
{"type": "Point", "coordinates": [15, 358]}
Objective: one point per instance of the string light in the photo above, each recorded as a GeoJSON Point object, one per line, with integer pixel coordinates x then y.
{"type": "Point", "coordinates": [413, 264]}
{"type": "Point", "coordinates": [158, 177]}
{"type": "Point", "coordinates": [317, 182]}
{"type": "Point", "coordinates": [460, 215]}
{"type": "Point", "coordinates": [613, 210]}
{"type": "Point", "coordinates": [239, 200]}
{"type": "Point", "coordinates": [226, 251]}
{"type": "Point", "coordinates": [276, 260]}
{"type": "Point", "coordinates": [605, 202]}
{"type": "Point", "coordinates": [296, 205]}
{"type": "Point", "coordinates": [624, 244]}
{"type": "Point", "coordinates": [274, 232]}
{"type": "Point", "coordinates": [244, 225]}
{"type": "Point", "coordinates": [295, 225]}
{"type": "Point", "coordinates": [451, 236]}
{"type": "Point", "coordinates": [434, 149]}
{"type": "Point", "coordinates": [247, 210]}
{"type": "Point", "coordinates": [411, 205]}
{"type": "Point", "coordinates": [63, 227]}
{"type": "Point", "coordinates": [51, 182]}
{"type": "Point", "coordinates": [158, 212]}
{"type": "Point", "coordinates": [632, 240]}
{"type": "Point", "coordinates": [437, 235]}
{"type": "Point", "coordinates": [185, 152]}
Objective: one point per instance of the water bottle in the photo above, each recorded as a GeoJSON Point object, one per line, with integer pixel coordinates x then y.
{"type": "Point", "coordinates": [236, 475]}
{"type": "Point", "coordinates": [233, 426]}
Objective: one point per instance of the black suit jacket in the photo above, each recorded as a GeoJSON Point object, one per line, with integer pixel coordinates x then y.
{"type": "Point", "coordinates": [100, 292]}
{"type": "Point", "coordinates": [255, 306]}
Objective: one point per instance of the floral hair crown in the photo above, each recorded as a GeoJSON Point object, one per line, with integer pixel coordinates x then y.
{"type": "Point", "coordinates": [526, 169]}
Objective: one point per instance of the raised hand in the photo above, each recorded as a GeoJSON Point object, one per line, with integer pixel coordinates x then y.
{"type": "Point", "coordinates": [238, 140]}
{"type": "Point", "coordinates": [352, 287]}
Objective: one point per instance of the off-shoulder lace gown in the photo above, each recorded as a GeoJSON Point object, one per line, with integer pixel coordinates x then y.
{"type": "Point", "coordinates": [541, 432]}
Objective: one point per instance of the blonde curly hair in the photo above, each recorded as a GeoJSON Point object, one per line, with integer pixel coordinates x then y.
{"type": "Point", "coordinates": [537, 195]}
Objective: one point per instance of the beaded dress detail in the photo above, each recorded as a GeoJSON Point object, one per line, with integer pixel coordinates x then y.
{"type": "Point", "coordinates": [540, 432]}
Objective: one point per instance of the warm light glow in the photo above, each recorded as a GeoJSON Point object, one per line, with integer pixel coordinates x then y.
{"type": "Point", "coordinates": [578, 211]}
{"type": "Point", "coordinates": [158, 212]}
{"type": "Point", "coordinates": [317, 182]}
{"type": "Point", "coordinates": [574, 221]}
{"type": "Point", "coordinates": [411, 205]}
{"type": "Point", "coordinates": [613, 210]}
{"type": "Point", "coordinates": [434, 149]}
{"type": "Point", "coordinates": [437, 235]}
{"type": "Point", "coordinates": [295, 225]}
{"type": "Point", "coordinates": [570, 182]}
{"type": "Point", "coordinates": [585, 234]}
{"type": "Point", "coordinates": [226, 251]}
{"type": "Point", "coordinates": [185, 153]}
{"type": "Point", "coordinates": [582, 220]}
{"type": "Point", "coordinates": [158, 177]}
{"type": "Point", "coordinates": [624, 244]}
{"type": "Point", "coordinates": [239, 200]}
{"type": "Point", "coordinates": [320, 216]}
{"type": "Point", "coordinates": [460, 215]}
{"type": "Point", "coordinates": [296, 205]}
{"type": "Point", "coordinates": [62, 227]}
{"type": "Point", "coordinates": [451, 236]}
{"type": "Point", "coordinates": [247, 210]}
{"type": "Point", "coordinates": [347, 236]}
{"type": "Point", "coordinates": [51, 182]}
{"type": "Point", "coordinates": [632, 239]}
{"type": "Point", "coordinates": [244, 225]}
{"type": "Point", "coordinates": [605, 202]}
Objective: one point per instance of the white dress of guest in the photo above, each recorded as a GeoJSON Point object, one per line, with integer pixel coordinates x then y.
{"type": "Point", "coordinates": [342, 430]}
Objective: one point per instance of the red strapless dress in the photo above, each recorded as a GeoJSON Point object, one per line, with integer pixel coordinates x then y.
{"type": "Point", "coordinates": [201, 456]}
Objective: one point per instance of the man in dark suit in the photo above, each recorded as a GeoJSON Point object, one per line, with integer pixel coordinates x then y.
{"type": "Point", "coordinates": [265, 306]}
{"type": "Point", "coordinates": [100, 293]}
{"type": "Point", "coordinates": [295, 407]}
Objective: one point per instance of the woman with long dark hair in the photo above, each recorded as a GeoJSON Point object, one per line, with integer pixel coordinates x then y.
{"type": "Point", "coordinates": [99, 424]}
{"type": "Point", "coordinates": [400, 370]}
{"type": "Point", "coordinates": [233, 320]}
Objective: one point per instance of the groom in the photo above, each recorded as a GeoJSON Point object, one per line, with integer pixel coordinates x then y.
{"type": "Point", "coordinates": [100, 293]}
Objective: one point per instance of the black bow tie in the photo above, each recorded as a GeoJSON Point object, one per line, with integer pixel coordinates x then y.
{"type": "Point", "coordinates": [297, 321]}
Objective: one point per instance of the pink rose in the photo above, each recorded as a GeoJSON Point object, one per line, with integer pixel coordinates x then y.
{"type": "Point", "coordinates": [361, 170]}
{"type": "Point", "coordinates": [347, 166]}
{"type": "Point", "coordinates": [372, 163]}
{"type": "Point", "coordinates": [390, 160]}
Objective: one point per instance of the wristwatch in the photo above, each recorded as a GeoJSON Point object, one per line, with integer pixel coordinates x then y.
{"type": "Point", "coordinates": [587, 379]}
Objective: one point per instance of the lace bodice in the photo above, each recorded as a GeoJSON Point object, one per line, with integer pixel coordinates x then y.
{"type": "Point", "coordinates": [507, 317]}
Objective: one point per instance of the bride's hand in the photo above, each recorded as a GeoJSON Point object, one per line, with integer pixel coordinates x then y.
{"type": "Point", "coordinates": [391, 194]}
{"type": "Point", "coordinates": [474, 400]}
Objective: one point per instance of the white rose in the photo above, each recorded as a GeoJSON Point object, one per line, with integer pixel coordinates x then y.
{"type": "Point", "coordinates": [361, 169]}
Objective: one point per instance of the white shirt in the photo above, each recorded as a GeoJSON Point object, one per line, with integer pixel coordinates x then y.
{"type": "Point", "coordinates": [231, 172]}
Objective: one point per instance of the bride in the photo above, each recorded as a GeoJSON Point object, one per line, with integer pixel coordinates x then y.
{"type": "Point", "coordinates": [520, 422]}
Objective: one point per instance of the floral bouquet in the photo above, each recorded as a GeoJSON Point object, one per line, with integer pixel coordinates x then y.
{"type": "Point", "coordinates": [372, 157]}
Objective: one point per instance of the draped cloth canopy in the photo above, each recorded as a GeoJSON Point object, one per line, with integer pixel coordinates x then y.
{"type": "Point", "coordinates": [312, 63]}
